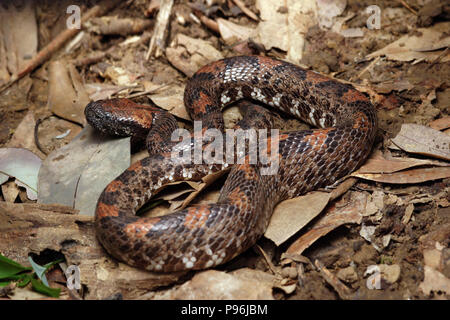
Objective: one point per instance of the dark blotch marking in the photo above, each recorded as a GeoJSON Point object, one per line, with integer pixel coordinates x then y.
{"type": "Point", "coordinates": [126, 176]}
{"type": "Point", "coordinates": [204, 76]}
{"type": "Point", "coordinates": [339, 89]}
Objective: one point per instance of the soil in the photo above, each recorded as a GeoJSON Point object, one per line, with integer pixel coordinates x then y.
{"type": "Point", "coordinates": [326, 52]}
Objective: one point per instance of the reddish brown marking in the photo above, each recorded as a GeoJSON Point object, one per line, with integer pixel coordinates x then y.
{"type": "Point", "coordinates": [201, 102]}
{"type": "Point", "coordinates": [248, 169]}
{"type": "Point", "coordinates": [361, 121]}
{"type": "Point", "coordinates": [137, 166]}
{"type": "Point", "coordinates": [317, 139]}
{"type": "Point", "coordinates": [139, 229]}
{"type": "Point", "coordinates": [143, 117]}
{"type": "Point", "coordinates": [106, 210]}
{"type": "Point", "coordinates": [127, 108]}
{"type": "Point", "coordinates": [266, 150]}
{"type": "Point", "coordinates": [114, 186]}
{"type": "Point", "coordinates": [238, 197]}
{"type": "Point", "coordinates": [196, 216]}
{"type": "Point", "coordinates": [268, 62]}
{"type": "Point", "coordinates": [353, 96]}
{"type": "Point", "coordinates": [315, 77]}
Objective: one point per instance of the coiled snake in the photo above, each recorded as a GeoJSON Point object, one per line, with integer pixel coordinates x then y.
{"type": "Point", "coordinates": [207, 235]}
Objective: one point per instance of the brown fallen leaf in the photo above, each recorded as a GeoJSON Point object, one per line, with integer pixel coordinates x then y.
{"type": "Point", "coordinates": [410, 176]}
{"type": "Point", "coordinates": [171, 99]}
{"type": "Point", "coordinates": [10, 191]}
{"type": "Point", "coordinates": [232, 33]}
{"type": "Point", "coordinates": [24, 136]}
{"type": "Point", "coordinates": [421, 45]}
{"type": "Point", "coordinates": [188, 54]}
{"type": "Point", "coordinates": [377, 163]}
{"type": "Point", "coordinates": [292, 215]}
{"type": "Point", "coordinates": [19, 40]}
{"type": "Point", "coordinates": [67, 97]}
{"type": "Point", "coordinates": [415, 138]}
{"type": "Point", "coordinates": [194, 188]}
{"type": "Point", "coordinates": [440, 124]}
{"type": "Point", "coordinates": [341, 212]}
{"type": "Point", "coordinates": [218, 285]}
{"type": "Point", "coordinates": [284, 25]}
{"type": "Point", "coordinates": [434, 281]}
{"type": "Point", "coordinates": [393, 85]}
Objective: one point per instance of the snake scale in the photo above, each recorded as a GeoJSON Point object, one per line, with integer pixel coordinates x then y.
{"type": "Point", "coordinates": [206, 235]}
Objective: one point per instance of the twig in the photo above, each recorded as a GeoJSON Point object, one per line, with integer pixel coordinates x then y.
{"type": "Point", "coordinates": [439, 57]}
{"type": "Point", "coordinates": [246, 10]}
{"type": "Point", "coordinates": [343, 291]}
{"type": "Point", "coordinates": [258, 249]}
{"type": "Point", "coordinates": [161, 25]}
{"type": "Point", "coordinates": [144, 93]}
{"type": "Point", "coordinates": [407, 7]}
{"type": "Point", "coordinates": [36, 136]}
{"type": "Point", "coordinates": [59, 41]}
{"type": "Point", "coordinates": [210, 23]}
{"type": "Point", "coordinates": [369, 66]}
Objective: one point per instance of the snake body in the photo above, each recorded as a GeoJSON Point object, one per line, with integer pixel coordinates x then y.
{"type": "Point", "coordinates": [207, 235]}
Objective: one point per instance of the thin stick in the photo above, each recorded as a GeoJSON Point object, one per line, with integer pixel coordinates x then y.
{"type": "Point", "coordinates": [369, 66]}
{"type": "Point", "coordinates": [258, 249]}
{"type": "Point", "coordinates": [343, 291]}
{"type": "Point", "coordinates": [407, 7]}
{"type": "Point", "coordinates": [246, 10]}
{"type": "Point", "coordinates": [161, 25]}
{"type": "Point", "coordinates": [59, 41]}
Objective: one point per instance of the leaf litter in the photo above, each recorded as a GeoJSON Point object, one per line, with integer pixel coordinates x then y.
{"type": "Point", "coordinates": [392, 194]}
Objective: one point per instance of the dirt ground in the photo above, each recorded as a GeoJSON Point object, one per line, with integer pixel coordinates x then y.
{"type": "Point", "coordinates": [410, 227]}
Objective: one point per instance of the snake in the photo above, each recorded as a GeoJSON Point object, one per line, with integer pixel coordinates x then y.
{"type": "Point", "coordinates": [206, 235]}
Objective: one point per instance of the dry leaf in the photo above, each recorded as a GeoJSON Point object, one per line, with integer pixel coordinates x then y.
{"type": "Point", "coordinates": [434, 281]}
{"type": "Point", "coordinates": [232, 33]}
{"type": "Point", "coordinates": [24, 136]}
{"type": "Point", "coordinates": [409, 176]}
{"type": "Point", "coordinates": [328, 10]}
{"type": "Point", "coordinates": [10, 191]}
{"type": "Point", "coordinates": [67, 97]}
{"type": "Point", "coordinates": [284, 25]}
{"type": "Point", "coordinates": [19, 40]}
{"type": "Point", "coordinates": [188, 54]}
{"type": "Point", "coordinates": [415, 138]}
{"type": "Point", "coordinates": [378, 164]}
{"type": "Point", "coordinates": [218, 285]}
{"type": "Point", "coordinates": [292, 215]}
{"type": "Point", "coordinates": [422, 45]}
{"type": "Point", "coordinates": [171, 99]}
{"type": "Point", "coordinates": [23, 165]}
{"type": "Point", "coordinates": [440, 124]}
{"type": "Point", "coordinates": [76, 174]}
{"type": "Point", "coordinates": [342, 212]}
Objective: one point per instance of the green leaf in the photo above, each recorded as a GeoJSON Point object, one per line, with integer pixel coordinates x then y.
{"type": "Point", "coordinates": [25, 280]}
{"type": "Point", "coordinates": [9, 267]}
{"type": "Point", "coordinates": [4, 283]}
{"type": "Point", "coordinates": [42, 288]}
{"type": "Point", "coordinates": [39, 270]}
